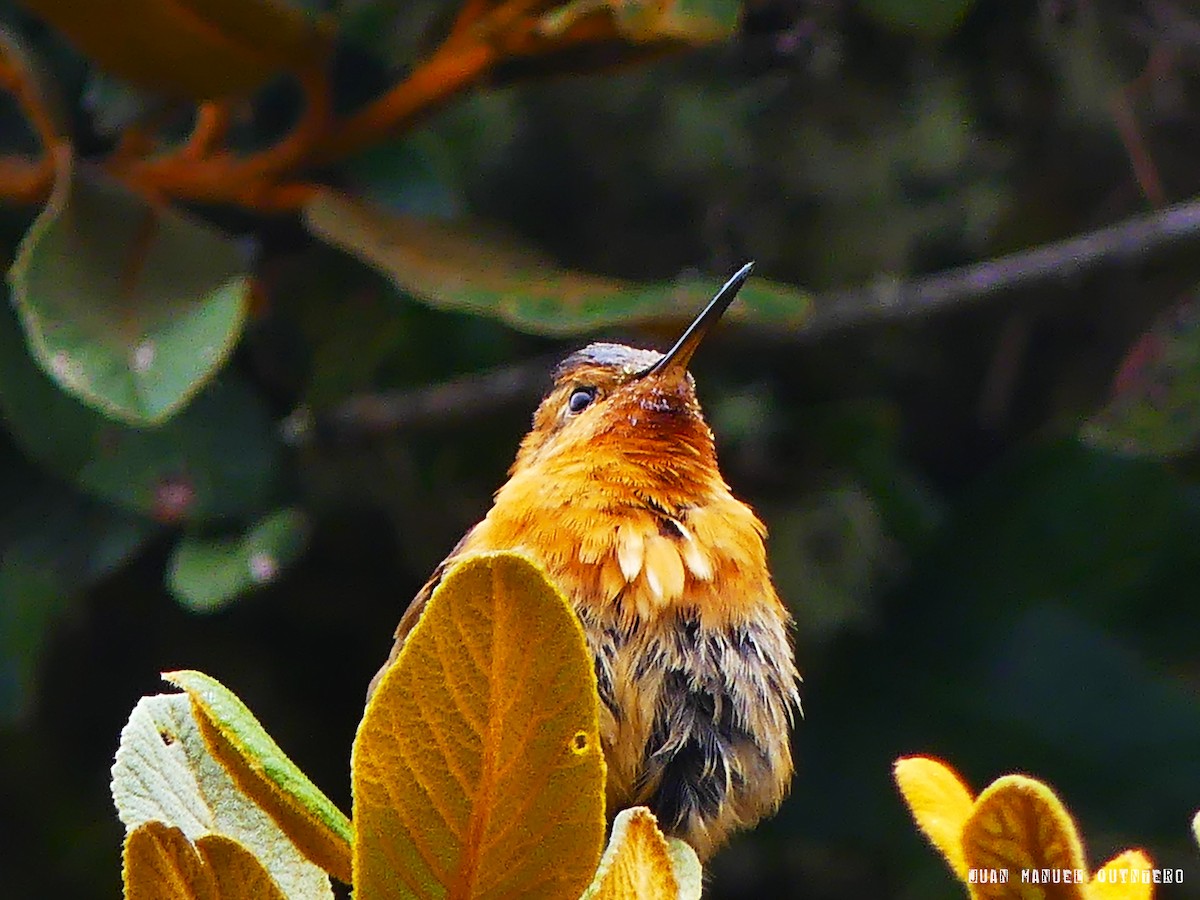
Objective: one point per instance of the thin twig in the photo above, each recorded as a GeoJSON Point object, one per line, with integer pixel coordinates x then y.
{"type": "Point", "coordinates": [212, 124]}
{"type": "Point", "coordinates": [891, 299]}
{"type": "Point", "coordinates": [458, 399]}
{"type": "Point", "coordinates": [1141, 161]}
{"type": "Point", "coordinates": [449, 72]}
{"type": "Point", "coordinates": [25, 180]}
{"type": "Point", "coordinates": [15, 80]}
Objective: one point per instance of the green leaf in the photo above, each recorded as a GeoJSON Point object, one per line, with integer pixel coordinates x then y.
{"type": "Point", "coordinates": [266, 775]}
{"type": "Point", "coordinates": [218, 458]}
{"type": "Point", "coordinates": [458, 268]}
{"type": "Point", "coordinates": [1155, 407]}
{"type": "Point", "coordinates": [205, 574]}
{"type": "Point", "coordinates": [128, 306]}
{"type": "Point", "coordinates": [165, 773]}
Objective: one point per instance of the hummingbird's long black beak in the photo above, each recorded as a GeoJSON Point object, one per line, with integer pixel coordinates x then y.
{"type": "Point", "coordinates": [676, 360]}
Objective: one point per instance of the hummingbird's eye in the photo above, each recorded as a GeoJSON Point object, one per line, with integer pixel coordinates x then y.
{"type": "Point", "coordinates": [581, 399]}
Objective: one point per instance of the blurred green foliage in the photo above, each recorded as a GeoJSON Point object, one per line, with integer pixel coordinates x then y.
{"type": "Point", "coordinates": [982, 521]}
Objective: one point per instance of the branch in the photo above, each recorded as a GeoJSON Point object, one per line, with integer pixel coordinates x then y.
{"type": "Point", "coordinates": [452, 70]}
{"type": "Point", "coordinates": [24, 180]}
{"type": "Point", "coordinates": [464, 60]}
{"type": "Point", "coordinates": [484, 34]}
{"type": "Point", "coordinates": [890, 299]}
{"type": "Point", "coordinates": [16, 80]}
{"type": "Point", "coordinates": [212, 124]}
{"type": "Point", "coordinates": [459, 399]}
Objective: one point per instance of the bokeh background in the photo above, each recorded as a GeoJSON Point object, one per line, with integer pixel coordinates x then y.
{"type": "Point", "coordinates": [984, 515]}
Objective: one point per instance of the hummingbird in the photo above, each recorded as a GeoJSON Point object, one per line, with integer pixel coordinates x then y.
{"type": "Point", "coordinates": [616, 492]}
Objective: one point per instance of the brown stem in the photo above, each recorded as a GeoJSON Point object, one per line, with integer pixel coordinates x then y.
{"type": "Point", "coordinates": [315, 123]}
{"type": "Point", "coordinates": [26, 181]}
{"type": "Point", "coordinates": [212, 124]}
{"type": "Point", "coordinates": [459, 399]}
{"type": "Point", "coordinates": [450, 71]}
{"type": "Point", "coordinates": [892, 299]}
{"type": "Point", "coordinates": [16, 81]}
{"type": "Point", "coordinates": [1140, 159]}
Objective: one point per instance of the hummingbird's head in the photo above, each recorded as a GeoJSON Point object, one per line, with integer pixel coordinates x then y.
{"type": "Point", "coordinates": [619, 403]}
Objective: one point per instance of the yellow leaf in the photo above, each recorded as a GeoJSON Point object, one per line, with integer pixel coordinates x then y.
{"type": "Point", "coordinates": [160, 863]}
{"type": "Point", "coordinates": [477, 769]}
{"type": "Point", "coordinates": [195, 48]}
{"type": "Point", "coordinates": [1019, 824]}
{"type": "Point", "coordinates": [266, 775]}
{"type": "Point", "coordinates": [164, 773]}
{"type": "Point", "coordinates": [1113, 882]}
{"type": "Point", "coordinates": [237, 872]}
{"type": "Point", "coordinates": [637, 863]}
{"type": "Point", "coordinates": [940, 803]}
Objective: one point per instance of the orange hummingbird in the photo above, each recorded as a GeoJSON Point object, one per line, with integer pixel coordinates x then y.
{"type": "Point", "coordinates": [616, 493]}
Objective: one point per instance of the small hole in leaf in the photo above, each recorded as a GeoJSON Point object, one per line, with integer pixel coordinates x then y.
{"type": "Point", "coordinates": [166, 736]}
{"type": "Point", "coordinates": [579, 743]}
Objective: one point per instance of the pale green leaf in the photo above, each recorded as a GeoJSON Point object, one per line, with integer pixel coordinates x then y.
{"type": "Point", "coordinates": [129, 306]}
{"type": "Point", "coordinates": [164, 772]}
{"type": "Point", "coordinates": [206, 573]}
{"type": "Point", "coordinates": [266, 775]}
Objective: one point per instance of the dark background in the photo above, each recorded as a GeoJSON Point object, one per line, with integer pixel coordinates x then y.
{"type": "Point", "coordinates": [970, 577]}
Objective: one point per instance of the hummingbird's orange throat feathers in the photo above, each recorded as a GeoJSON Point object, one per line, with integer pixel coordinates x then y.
{"type": "Point", "coordinates": [616, 492]}
{"type": "Point", "coordinates": [652, 425]}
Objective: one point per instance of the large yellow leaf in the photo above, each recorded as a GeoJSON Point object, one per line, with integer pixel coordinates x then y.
{"type": "Point", "coordinates": [640, 862]}
{"type": "Point", "coordinates": [477, 768]}
{"type": "Point", "coordinates": [265, 774]}
{"type": "Point", "coordinates": [195, 48]}
{"type": "Point", "coordinates": [940, 803]}
{"type": "Point", "coordinates": [1019, 824]}
{"type": "Point", "coordinates": [162, 864]}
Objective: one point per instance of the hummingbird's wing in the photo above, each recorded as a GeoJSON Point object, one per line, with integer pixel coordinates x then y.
{"type": "Point", "coordinates": [415, 608]}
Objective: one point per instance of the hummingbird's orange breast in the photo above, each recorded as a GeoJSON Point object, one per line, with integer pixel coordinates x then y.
{"type": "Point", "coordinates": [667, 572]}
